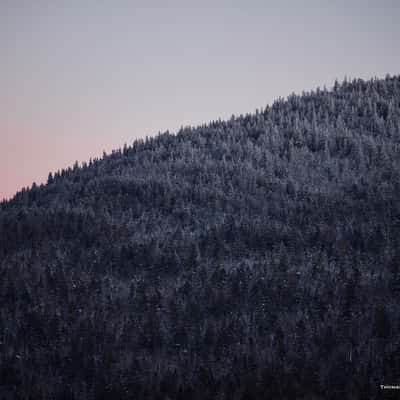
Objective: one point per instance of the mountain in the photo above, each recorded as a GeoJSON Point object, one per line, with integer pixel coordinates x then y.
{"type": "Point", "coordinates": [254, 258]}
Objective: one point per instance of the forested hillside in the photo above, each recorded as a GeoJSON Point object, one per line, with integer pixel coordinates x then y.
{"type": "Point", "coordinates": [254, 258]}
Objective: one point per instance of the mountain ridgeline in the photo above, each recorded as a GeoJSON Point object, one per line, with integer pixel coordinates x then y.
{"type": "Point", "coordinates": [254, 258]}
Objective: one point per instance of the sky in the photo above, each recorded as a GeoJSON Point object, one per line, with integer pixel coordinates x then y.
{"type": "Point", "coordinates": [81, 76]}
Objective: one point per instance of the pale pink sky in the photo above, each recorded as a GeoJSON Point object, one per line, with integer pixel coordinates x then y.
{"type": "Point", "coordinates": [80, 77]}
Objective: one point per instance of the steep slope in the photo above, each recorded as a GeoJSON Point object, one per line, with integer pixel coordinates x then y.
{"type": "Point", "coordinates": [243, 259]}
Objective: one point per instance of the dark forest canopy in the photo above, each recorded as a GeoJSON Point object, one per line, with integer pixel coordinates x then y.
{"type": "Point", "coordinates": [252, 258]}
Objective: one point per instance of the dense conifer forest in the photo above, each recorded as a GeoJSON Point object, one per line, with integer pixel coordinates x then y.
{"type": "Point", "coordinates": [253, 258]}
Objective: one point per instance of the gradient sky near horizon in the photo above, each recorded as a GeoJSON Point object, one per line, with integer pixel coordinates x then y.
{"type": "Point", "coordinates": [78, 77]}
